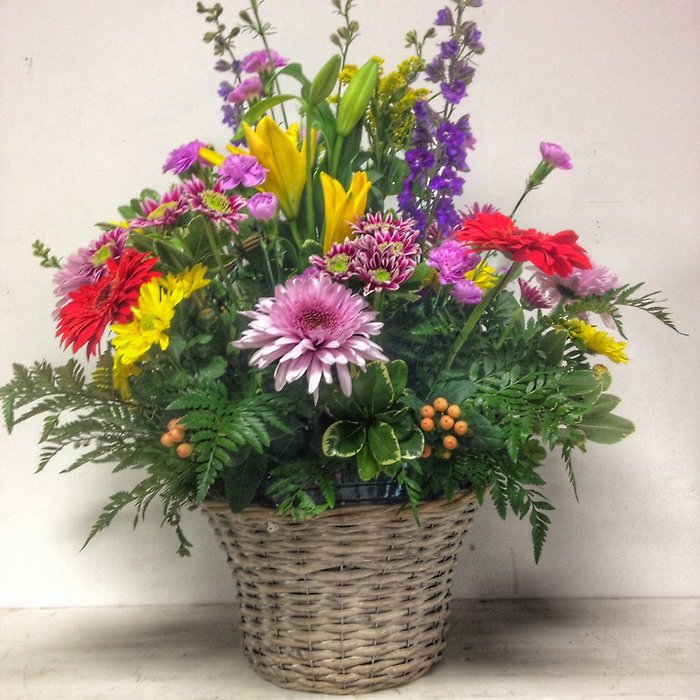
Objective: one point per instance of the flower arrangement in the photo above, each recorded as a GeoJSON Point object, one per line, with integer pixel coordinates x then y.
{"type": "Point", "coordinates": [310, 304]}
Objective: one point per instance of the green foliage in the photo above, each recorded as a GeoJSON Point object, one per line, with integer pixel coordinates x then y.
{"type": "Point", "coordinates": [373, 428]}
{"type": "Point", "coordinates": [220, 428]}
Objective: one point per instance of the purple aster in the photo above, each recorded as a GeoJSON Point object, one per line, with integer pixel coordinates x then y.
{"type": "Point", "coordinates": [243, 170]}
{"type": "Point", "coordinates": [311, 326]}
{"type": "Point", "coordinates": [555, 156]}
{"type": "Point", "coordinates": [466, 292]}
{"type": "Point", "coordinates": [250, 89]}
{"type": "Point", "coordinates": [338, 261]}
{"type": "Point", "coordinates": [532, 297]}
{"type": "Point", "coordinates": [263, 206]}
{"type": "Point", "coordinates": [452, 260]}
{"type": "Point", "coordinates": [88, 265]}
{"type": "Point", "coordinates": [183, 158]}
{"type": "Point", "coordinates": [214, 203]}
{"type": "Point", "coordinates": [163, 212]}
{"type": "Point", "coordinates": [262, 61]}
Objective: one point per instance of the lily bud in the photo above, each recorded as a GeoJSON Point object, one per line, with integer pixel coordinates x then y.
{"type": "Point", "coordinates": [356, 97]}
{"type": "Point", "coordinates": [325, 80]}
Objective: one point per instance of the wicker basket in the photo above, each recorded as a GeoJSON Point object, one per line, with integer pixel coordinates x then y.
{"type": "Point", "coordinates": [352, 601]}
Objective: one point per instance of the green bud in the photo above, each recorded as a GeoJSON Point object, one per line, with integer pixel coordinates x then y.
{"type": "Point", "coordinates": [325, 80]}
{"type": "Point", "coordinates": [356, 97]}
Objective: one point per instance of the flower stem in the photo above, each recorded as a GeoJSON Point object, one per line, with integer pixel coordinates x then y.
{"type": "Point", "coordinates": [310, 219]}
{"type": "Point", "coordinates": [479, 311]}
{"type": "Point", "coordinates": [520, 201]}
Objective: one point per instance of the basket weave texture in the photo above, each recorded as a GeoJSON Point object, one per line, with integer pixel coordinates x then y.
{"type": "Point", "coordinates": [351, 601]}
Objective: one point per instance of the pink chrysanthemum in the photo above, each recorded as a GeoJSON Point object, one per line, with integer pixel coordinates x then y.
{"type": "Point", "coordinates": [214, 203]}
{"type": "Point", "coordinates": [381, 270]}
{"type": "Point", "coordinates": [533, 297]}
{"type": "Point", "coordinates": [338, 261]}
{"type": "Point", "coordinates": [452, 260]}
{"type": "Point", "coordinates": [161, 213]}
{"type": "Point", "coordinates": [88, 265]}
{"type": "Point", "coordinates": [311, 325]}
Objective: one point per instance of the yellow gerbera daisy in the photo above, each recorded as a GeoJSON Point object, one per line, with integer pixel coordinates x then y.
{"type": "Point", "coordinates": [484, 276]}
{"type": "Point", "coordinates": [188, 281]}
{"type": "Point", "coordinates": [152, 318]}
{"type": "Point", "coordinates": [597, 341]}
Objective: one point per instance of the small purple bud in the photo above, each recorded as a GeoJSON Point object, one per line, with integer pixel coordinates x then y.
{"type": "Point", "coordinates": [263, 206]}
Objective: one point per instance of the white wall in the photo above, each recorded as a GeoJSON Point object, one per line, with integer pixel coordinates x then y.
{"type": "Point", "coordinates": [94, 95]}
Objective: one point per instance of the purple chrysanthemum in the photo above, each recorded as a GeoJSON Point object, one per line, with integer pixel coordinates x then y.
{"type": "Point", "coordinates": [263, 206]}
{"type": "Point", "coordinates": [338, 261]}
{"type": "Point", "coordinates": [183, 158]}
{"type": "Point", "coordinates": [162, 212]}
{"type": "Point", "coordinates": [88, 265]}
{"type": "Point", "coordinates": [555, 155]}
{"type": "Point", "coordinates": [214, 203]}
{"type": "Point", "coordinates": [532, 297]}
{"type": "Point", "coordinates": [466, 292]}
{"type": "Point", "coordinates": [240, 169]}
{"type": "Point", "coordinates": [311, 325]}
{"type": "Point", "coordinates": [452, 260]}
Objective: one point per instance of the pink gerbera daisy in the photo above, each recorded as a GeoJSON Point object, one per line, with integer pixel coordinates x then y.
{"type": "Point", "coordinates": [311, 325]}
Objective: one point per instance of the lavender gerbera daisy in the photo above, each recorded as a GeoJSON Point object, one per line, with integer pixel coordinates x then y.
{"type": "Point", "coordinates": [88, 265]}
{"type": "Point", "coordinates": [310, 326]}
{"type": "Point", "coordinates": [580, 283]}
{"type": "Point", "coordinates": [214, 203]}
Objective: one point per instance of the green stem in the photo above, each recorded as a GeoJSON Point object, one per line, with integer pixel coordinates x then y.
{"type": "Point", "coordinates": [520, 201]}
{"type": "Point", "coordinates": [479, 311]}
{"type": "Point", "coordinates": [261, 33]}
{"type": "Point", "coordinates": [267, 270]}
{"type": "Point", "coordinates": [335, 161]}
{"type": "Point", "coordinates": [219, 262]}
{"type": "Point", "coordinates": [296, 233]}
{"type": "Point", "coordinates": [310, 219]}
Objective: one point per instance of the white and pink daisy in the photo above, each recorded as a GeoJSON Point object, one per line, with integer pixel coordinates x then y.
{"type": "Point", "coordinates": [380, 269]}
{"type": "Point", "coordinates": [338, 261]}
{"type": "Point", "coordinates": [163, 212]}
{"type": "Point", "coordinates": [311, 326]}
{"type": "Point", "coordinates": [214, 202]}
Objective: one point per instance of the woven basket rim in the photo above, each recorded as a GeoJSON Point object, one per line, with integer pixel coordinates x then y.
{"type": "Point", "coordinates": [424, 506]}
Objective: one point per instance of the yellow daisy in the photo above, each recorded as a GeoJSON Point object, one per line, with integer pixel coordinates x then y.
{"type": "Point", "coordinates": [484, 276]}
{"type": "Point", "coordinates": [188, 281]}
{"type": "Point", "coordinates": [597, 341]}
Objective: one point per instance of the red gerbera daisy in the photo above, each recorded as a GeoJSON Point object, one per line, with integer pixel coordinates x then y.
{"type": "Point", "coordinates": [109, 300]}
{"type": "Point", "coordinates": [554, 254]}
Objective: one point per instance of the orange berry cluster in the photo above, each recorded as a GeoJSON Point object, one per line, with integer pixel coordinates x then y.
{"type": "Point", "coordinates": [175, 435]}
{"type": "Point", "coordinates": [446, 416]}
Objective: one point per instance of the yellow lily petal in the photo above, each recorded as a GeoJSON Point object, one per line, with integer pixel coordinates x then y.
{"type": "Point", "coordinates": [211, 156]}
{"type": "Point", "coordinates": [342, 208]}
{"type": "Point", "coordinates": [278, 151]}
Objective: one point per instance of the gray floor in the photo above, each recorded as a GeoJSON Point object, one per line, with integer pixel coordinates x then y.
{"type": "Point", "coordinates": [526, 649]}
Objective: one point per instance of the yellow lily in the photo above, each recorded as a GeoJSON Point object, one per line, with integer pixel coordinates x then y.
{"type": "Point", "coordinates": [341, 207]}
{"type": "Point", "coordinates": [285, 160]}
